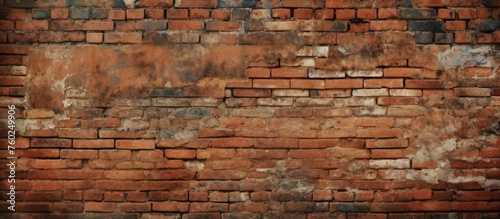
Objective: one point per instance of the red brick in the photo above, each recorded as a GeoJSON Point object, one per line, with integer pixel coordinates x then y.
{"type": "Point", "coordinates": [289, 73]}
{"type": "Point", "coordinates": [252, 93]}
{"type": "Point", "coordinates": [99, 207]}
{"type": "Point", "coordinates": [365, 13]}
{"type": "Point", "coordinates": [135, 207]}
{"type": "Point", "coordinates": [177, 13]}
{"type": "Point", "coordinates": [78, 154]}
{"type": "Point", "coordinates": [467, 13]}
{"type": "Point", "coordinates": [135, 14]}
{"type": "Point", "coordinates": [180, 154]}
{"type": "Point", "coordinates": [303, 13]}
{"type": "Point", "coordinates": [345, 14]}
{"type": "Point", "coordinates": [221, 14]}
{"type": "Point", "coordinates": [390, 207]}
{"type": "Point", "coordinates": [445, 13]}
{"type": "Point", "coordinates": [198, 196]}
{"type": "Point", "coordinates": [430, 206]}
{"type": "Point", "coordinates": [387, 13]}
{"type": "Point", "coordinates": [32, 25]}
{"type": "Point", "coordinates": [154, 13]}
{"type": "Point", "coordinates": [455, 25]}
{"type": "Point", "coordinates": [307, 84]}
{"type": "Point", "coordinates": [41, 153]}
{"type": "Point", "coordinates": [17, 14]}
{"type": "Point", "coordinates": [327, 14]}
{"type": "Point", "coordinates": [425, 84]}
{"type": "Point", "coordinates": [381, 83]}
{"type": "Point", "coordinates": [360, 27]}
{"type": "Point", "coordinates": [199, 13]}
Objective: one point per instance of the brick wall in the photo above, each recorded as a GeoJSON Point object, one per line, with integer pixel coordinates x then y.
{"type": "Point", "coordinates": [252, 108]}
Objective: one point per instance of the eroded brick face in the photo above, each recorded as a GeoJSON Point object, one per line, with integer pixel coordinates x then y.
{"type": "Point", "coordinates": [252, 109]}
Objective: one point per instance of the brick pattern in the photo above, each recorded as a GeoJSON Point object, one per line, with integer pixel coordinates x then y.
{"type": "Point", "coordinates": [84, 21]}
{"type": "Point", "coordinates": [382, 135]}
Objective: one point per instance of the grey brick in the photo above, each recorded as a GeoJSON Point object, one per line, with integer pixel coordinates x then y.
{"type": "Point", "coordinates": [236, 3]}
{"type": "Point", "coordinates": [80, 13]}
{"type": "Point", "coordinates": [444, 38]}
{"type": "Point", "coordinates": [424, 37]}
{"type": "Point", "coordinates": [426, 25]}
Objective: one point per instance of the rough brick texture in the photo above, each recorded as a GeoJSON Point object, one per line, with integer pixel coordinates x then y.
{"type": "Point", "coordinates": [251, 109]}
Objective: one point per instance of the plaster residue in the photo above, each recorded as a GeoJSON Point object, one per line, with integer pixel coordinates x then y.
{"type": "Point", "coordinates": [465, 56]}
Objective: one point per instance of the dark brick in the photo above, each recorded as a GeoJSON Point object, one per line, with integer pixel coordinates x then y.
{"type": "Point", "coordinates": [444, 216]}
{"type": "Point", "coordinates": [20, 4]}
{"type": "Point", "coordinates": [167, 92]}
{"type": "Point", "coordinates": [491, 3]}
{"type": "Point", "coordinates": [192, 113]}
{"type": "Point", "coordinates": [339, 26]}
{"type": "Point", "coordinates": [4, 13]}
{"type": "Point", "coordinates": [344, 207]}
{"type": "Point", "coordinates": [424, 37]}
{"type": "Point", "coordinates": [80, 13]}
{"type": "Point", "coordinates": [236, 3]}
{"type": "Point", "coordinates": [99, 13]}
{"type": "Point", "coordinates": [40, 13]}
{"type": "Point", "coordinates": [444, 38]}
{"type": "Point", "coordinates": [419, 14]}
{"type": "Point", "coordinates": [119, 4]}
{"type": "Point", "coordinates": [88, 215]}
{"type": "Point", "coordinates": [240, 14]}
{"type": "Point", "coordinates": [426, 25]}
{"type": "Point", "coordinates": [407, 3]}
{"type": "Point", "coordinates": [86, 3]}
{"type": "Point", "coordinates": [486, 25]}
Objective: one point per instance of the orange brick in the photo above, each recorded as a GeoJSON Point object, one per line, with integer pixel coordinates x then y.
{"type": "Point", "coordinates": [199, 14]}
{"type": "Point", "coordinates": [455, 25]}
{"type": "Point", "coordinates": [135, 144]}
{"type": "Point", "coordinates": [259, 72]}
{"type": "Point", "coordinates": [93, 143]}
{"type": "Point", "coordinates": [116, 14]}
{"type": "Point", "coordinates": [32, 25]}
{"type": "Point", "coordinates": [307, 84]}
{"type": "Point", "coordinates": [221, 14]}
{"type": "Point", "coordinates": [289, 73]}
{"type": "Point", "coordinates": [223, 26]}
{"type": "Point", "coordinates": [271, 83]}
{"type": "Point", "coordinates": [252, 93]}
{"type": "Point", "coordinates": [445, 13]}
{"type": "Point", "coordinates": [345, 14]}
{"type": "Point", "coordinates": [302, 13]}
{"type": "Point", "coordinates": [387, 13]}
{"type": "Point", "coordinates": [180, 154]}
{"type": "Point", "coordinates": [94, 37]}
{"type": "Point", "coordinates": [177, 13]}
{"type": "Point", "coordinates": [133, 14]}
{"type": "Point", "coordinates": [281, 13]}
{"type": "Point", "coordinates": [365, 13]}
{"type": "Point", "coordinates": [59, 13]}
{"type": "Point", "coordinates": [154, 13]}
{"type": "Point", "coordinates": [463, 37]}
{"type": "Point", "coordinates": [387, 25]}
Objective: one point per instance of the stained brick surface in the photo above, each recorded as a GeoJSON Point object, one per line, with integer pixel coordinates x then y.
{"type": "Point", "coordinates": [251, 109]}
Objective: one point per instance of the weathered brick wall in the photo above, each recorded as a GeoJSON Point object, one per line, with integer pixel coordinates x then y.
{"type": "Point", "coordinates": [252, 108]}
